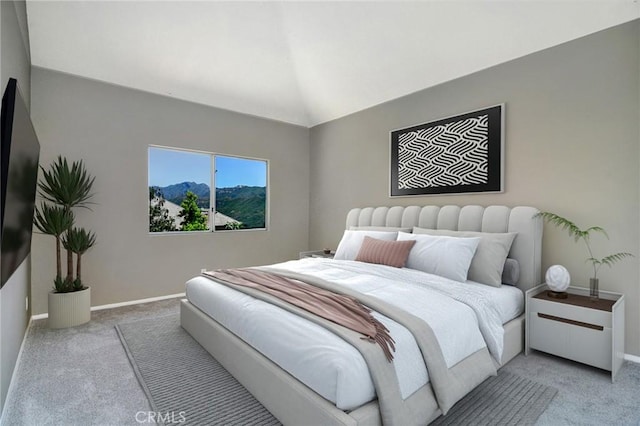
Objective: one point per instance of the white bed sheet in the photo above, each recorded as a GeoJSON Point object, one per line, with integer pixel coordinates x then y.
{"type": "Point", "coordinates": [309, 352]}
{"type": "Point", "coordinates": [418, 293]}
{"type": "Point", "coordinates": [509, 300]}
{"type": "Point", "coordinates": [326, 363]}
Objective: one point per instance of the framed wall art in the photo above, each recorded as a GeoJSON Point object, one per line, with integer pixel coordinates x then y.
{"type": "Point", "coordinates": [460, 154]}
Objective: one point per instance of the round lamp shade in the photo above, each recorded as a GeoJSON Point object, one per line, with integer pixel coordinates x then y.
{"type": "Point", "coordinates": [557, 278]}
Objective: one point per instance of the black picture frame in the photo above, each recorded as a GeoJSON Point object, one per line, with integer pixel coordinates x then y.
{"type": "Point", "coordinates": [454, 155]}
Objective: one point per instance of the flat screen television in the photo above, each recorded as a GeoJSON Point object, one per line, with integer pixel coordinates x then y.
{"type": "Point", "coordinates": [20, 155]}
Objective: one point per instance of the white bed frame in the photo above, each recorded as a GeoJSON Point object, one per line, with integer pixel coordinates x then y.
{"type": "Point", "coordinates": [292, 402]}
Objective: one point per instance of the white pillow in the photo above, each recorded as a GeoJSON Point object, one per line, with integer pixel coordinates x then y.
{"type": "Point", "coordinates": [352, 240]}
{"type": "Point", "coordinates": [449, 257]}
{"type": "Point", "coordinates": [488, 263]}
{"type": "Point", "coordinates": [380, 228]}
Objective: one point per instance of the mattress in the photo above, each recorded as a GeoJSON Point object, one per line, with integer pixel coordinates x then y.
{"type": "Point", "coordinates": [330, 366]}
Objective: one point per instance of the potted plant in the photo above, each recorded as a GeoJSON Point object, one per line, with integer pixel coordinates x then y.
{"type": "Point", "coordinates": [63, 188]}
{"type": "Point", "coordinates": [585, 235]}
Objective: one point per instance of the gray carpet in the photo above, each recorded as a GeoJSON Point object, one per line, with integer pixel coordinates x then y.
{"type": "Point", "coordinates": [586, 396]}
{"type": "Point", "coordinates": [81, 376]}
{"type": "Point", "coordinates": [506, 399]}
{"type": "Point", "coordinates": [182, 379]}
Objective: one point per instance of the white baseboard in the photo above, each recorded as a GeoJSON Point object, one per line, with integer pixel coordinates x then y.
{"type": "Point", "coordinates": [15, 369]}
{"type": "Point", "coordinates": [121, 304]}
{"type": "Point", "coordinates": [632, 358]}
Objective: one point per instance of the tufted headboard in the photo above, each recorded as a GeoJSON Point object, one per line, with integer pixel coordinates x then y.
{"type": "Point", "coordinates": [526, 248]}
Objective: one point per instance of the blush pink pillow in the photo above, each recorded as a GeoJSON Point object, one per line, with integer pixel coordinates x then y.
{"type": "Point", "coordinates": [390, 253]}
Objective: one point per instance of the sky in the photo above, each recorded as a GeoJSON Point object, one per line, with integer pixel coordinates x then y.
{"type": "Point", "coordinates": [168, 166]}
{"type": "Point", "coordinates": [234, 171]}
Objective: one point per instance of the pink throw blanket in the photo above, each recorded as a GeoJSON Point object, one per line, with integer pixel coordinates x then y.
{"type": "Point", "coordinates": [338, 308]}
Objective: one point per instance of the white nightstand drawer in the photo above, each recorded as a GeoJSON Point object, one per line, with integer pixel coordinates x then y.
{"type": "Point", "coordinates": [575, 313]}
{"type": "Point", "coordinates": [577, 342]}
{"type": "Point", "coordinates": [577, 327]}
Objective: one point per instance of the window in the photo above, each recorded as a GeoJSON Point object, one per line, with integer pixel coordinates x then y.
{"type": "Point", "coordinates": [180, 196]}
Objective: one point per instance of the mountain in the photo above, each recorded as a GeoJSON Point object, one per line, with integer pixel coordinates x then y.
{"type": "Point", "coordinates": [176, 192]}
{"type": "Point", "coordinates": [246, 204]}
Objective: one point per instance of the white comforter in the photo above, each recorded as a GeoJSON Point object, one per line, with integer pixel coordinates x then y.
{"type": "Point", "coordinates": [463, 316]}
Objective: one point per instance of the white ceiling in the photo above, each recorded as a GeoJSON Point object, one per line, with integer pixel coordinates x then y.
{"type": "Point", "coordinates": [300, 62]}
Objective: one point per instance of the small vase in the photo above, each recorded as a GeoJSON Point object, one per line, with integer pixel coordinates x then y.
{"type": "Point", "coordinates": [594, 293]}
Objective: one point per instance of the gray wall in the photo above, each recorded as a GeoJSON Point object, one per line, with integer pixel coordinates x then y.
{"type": "Point", "coordinates": [15, 62]}
{"type": "Point", "coordinates": [572, 147]}
{"type": "Point", "coordinates": [111, 127]}
{"type": "Point", "coordinates": [16, 56]}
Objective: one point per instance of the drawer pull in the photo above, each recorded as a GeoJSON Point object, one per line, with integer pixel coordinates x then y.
{"type": "Point", "coordinates": [572, 322]}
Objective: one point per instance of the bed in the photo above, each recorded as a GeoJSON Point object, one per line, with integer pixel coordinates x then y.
{"type": "Point", "coordinates": [284, 393]}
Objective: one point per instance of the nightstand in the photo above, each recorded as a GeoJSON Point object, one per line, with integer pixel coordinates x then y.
{"type": "Point", "coordinates": [316, 253]}
{"type": "Point", "coordinates": [577, 328]}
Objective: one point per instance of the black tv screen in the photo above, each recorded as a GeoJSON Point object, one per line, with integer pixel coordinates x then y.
{"type": "Point", "coordinates": [20, 155]}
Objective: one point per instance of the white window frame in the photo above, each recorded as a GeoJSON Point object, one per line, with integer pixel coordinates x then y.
{"type": "Point", "coordinates": [212, 191]}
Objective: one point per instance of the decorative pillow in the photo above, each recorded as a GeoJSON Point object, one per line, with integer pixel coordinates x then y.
{"type": "Point", "coordinates": [352, 240]}
{"type": "Point", "coordinates": [390, 253]}
{"type": "Point", "coordinates": [448, 257]}
{"type": "Point", "coordinates": [511, 272]}
{"type": "Point", "coordinates": [488, 262]}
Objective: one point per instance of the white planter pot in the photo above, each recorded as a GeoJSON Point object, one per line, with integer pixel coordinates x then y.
{"type": "Point", "coordinates": [69, 309]}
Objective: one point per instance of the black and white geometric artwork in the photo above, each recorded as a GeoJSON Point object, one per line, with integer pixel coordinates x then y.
{"type": "Point", "coordinates": [461, 154]}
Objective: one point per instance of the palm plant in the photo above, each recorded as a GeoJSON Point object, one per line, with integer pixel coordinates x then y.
{"type": "Point", "coordinates": [54, 220]}
{"type": "Point", "coordinates": [584, 235]}
{"type": "Point", "coordinates": [78, 241]}
{"type": "Point", "coordinates": [65, 187]}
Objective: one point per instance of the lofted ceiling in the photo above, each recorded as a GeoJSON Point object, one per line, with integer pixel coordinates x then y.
{"type": "Point", "coordinates": [300, 62]}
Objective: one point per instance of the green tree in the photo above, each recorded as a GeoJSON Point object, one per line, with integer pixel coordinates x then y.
{"type": "Point", "coordinates": [159, 219]}
{"type": "Point", "coordinates": [192, 217]}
